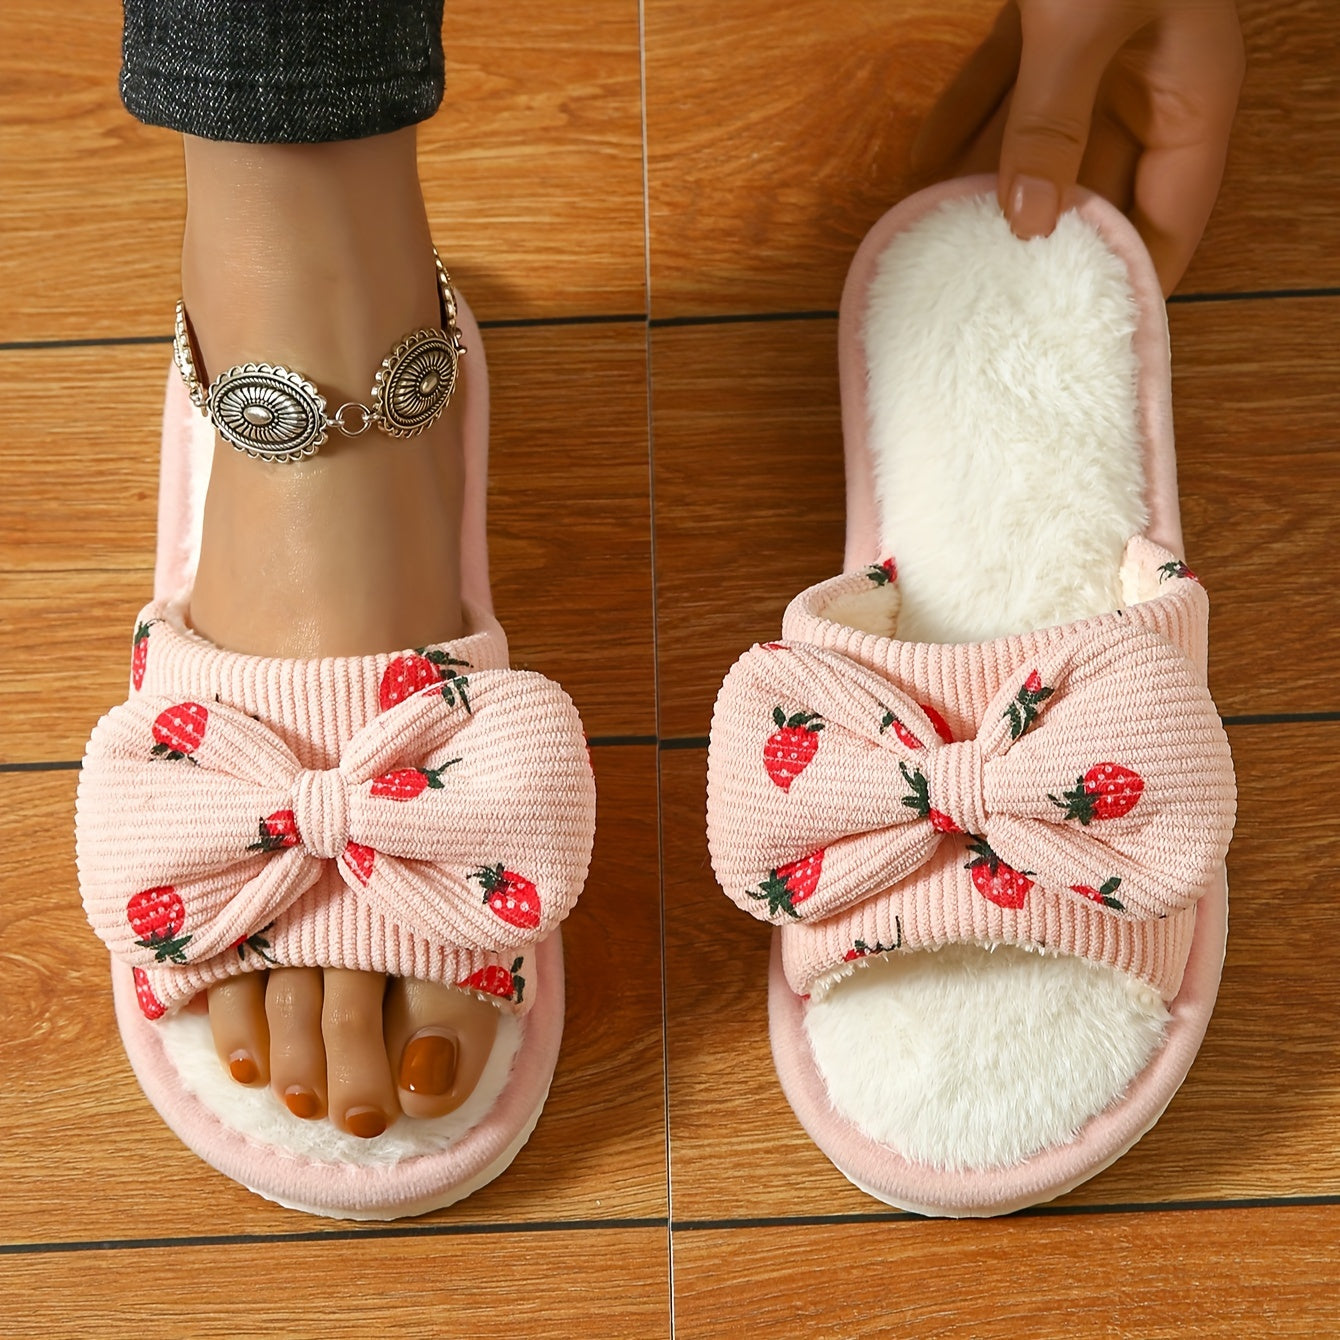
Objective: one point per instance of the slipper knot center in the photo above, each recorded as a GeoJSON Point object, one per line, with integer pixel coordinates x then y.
{"type": "Point", "coordinates": [321, 812]}
{"type": "Point", "coordinates": [954, 777]}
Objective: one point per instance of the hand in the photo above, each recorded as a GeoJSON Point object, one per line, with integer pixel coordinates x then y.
{"type": "Point", "coordinates": [1132, 98]}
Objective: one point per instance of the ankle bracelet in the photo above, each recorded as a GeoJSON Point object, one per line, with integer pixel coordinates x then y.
{"type": "Point", "coordinates": [272, 414]}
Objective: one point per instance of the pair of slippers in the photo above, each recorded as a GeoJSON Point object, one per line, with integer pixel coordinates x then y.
{"type": "Point", "coordinates": [977, 785]}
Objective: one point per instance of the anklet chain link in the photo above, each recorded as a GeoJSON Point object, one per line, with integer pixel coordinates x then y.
{"type": "Point", "coordinates": [272, 414]}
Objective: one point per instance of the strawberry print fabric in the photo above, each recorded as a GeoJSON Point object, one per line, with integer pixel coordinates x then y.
{"type": "Point", "coordinates": [432, 815]}
{"type": "Point", "coordinates": [1082, 802]}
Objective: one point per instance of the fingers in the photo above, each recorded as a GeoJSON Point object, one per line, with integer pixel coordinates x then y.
{"type": "Point", "coordinates": [1175, 190]}
{"type": "Point", "coordinates": [1192, 96]}
{"type": "Point", "coordinates": [1065, 51]}
{"type": "Point", "coordinates": [975, 94]}
{"type": "Point", "coordinates": [1110, 159]}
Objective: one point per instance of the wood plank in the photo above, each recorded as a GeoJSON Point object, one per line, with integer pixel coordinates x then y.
{"type": "Point", "coordinates": [532, 171]}
{"type": "Point", "coordinates": [777, 134]}
{"type": "Point", "coordinates": [1259, 1114]}
{"type": "Point", "coordinates": [65, 644]}
{"type": "Point", "coordinates": [78, 1118]}
{"type": "Point", "coordinates": [741, 530]}
{"type": "Point", "coordinates": [761, 209]}
{"type": "Point", "coordinates": [1220, 1273]}
{"type": "Point", "coordinates": [570, 515]}
{"type": "Point", "coordinates": [1277, 224]}
{"type": "Point", "coordinates": [748, 495]}
{"type": "Point", "coordinates": [533, 168]}
{"type": "Point", "coordinates": [599, 1284]}
{"type": "Point", "coordinates": [81, 486]}
{"type": "Point", "coordinates": [569, 526]}
{"type": "Point", "coordinates": [1259, 465]}
{"type": "Point", "coordinates": [91, 201]}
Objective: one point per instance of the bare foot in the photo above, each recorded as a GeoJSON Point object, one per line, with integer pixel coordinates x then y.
{"type": "Point", "coordinates": [318, 257]}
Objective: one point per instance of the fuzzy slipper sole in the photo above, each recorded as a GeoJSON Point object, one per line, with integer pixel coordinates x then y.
{"type": "Point", "coordinates": [356, 1180]}
{"type": "Point", "coordinates": [875, 1165]}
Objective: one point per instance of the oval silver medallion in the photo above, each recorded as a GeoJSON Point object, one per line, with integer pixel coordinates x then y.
{"type": "Point", "coordinates": [268, 412]}
{"type": "Point", "coordinates": [415, 383]}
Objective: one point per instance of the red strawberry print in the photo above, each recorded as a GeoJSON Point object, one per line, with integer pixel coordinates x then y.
{"type": "Point", "coordinates": [157, 916]}
{"type": "Point", "coordinates": [407, 783]}
{"type": "Point", "coordinates": [790, 884]}
{"type": "Point", "coordinates": [882, 574]}
{"type": "Point", "coordinates": [1106, 895]}
{"type": "Point", "coordinates": [1176, 569]}
{"type": "Point", "coordinates": [791, 747]}
{"type": "Point", "coordinates": [860, 949]}
{"type": "Point", "coordinates": [774, 646]}
{"type": "Point", "coordinates": [920, 801]}
{"type": "Point", "coordinates": [940, 724]}
{"type": "Point", "coordinates": [1106, 791]}
{"type": "Point", "coordinates": [1023, 711]}
{"type": "Point", "coordinates": [901, 731]}
{"type": "Point", "coordinates": [139, 656]}
{"type": "Point", "coordinates": [178, 731]}
{"type": "Point", "coordinates": [511, 896]}
{"type": "Point", "coordinates": [423, 669]}
{"type": "Point", "coordinates": [359, 860]}
{"type": "Point", "coordinates": [150, 1006]}
{"type": "Point", "coordinates": [997, 882]}
{"type": "Point", "coordinates": [258, 945]}
{"type": "Point", "coordinates": [277, 831]}
{"type": "Point", "coordinates": [495, 980]}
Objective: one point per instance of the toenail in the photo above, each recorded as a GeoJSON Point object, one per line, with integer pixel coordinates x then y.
{"type": "Point", "coordinates": [242, 1068]}
{"type": "Point", "coordinates": [301, 1101]}
{"type": "Point", "coordinates": [365, 1122]}
{"type": "Point", "coordinates": [428, 1063]}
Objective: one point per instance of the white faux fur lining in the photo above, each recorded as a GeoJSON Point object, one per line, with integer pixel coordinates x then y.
{"type": "Point", "coordinates": [1004, 433]}
{"type": "Point", "coordinates": [262, 1117]}
{"type": "Point", "coordinates": [1003, 423]}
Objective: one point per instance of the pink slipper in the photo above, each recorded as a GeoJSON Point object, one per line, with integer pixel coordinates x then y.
{"type": "Point", "coordinates": [427, 813]}
{"type": "Point", "coordinates": [979, 785]}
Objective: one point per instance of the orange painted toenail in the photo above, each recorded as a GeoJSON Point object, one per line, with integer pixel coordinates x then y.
{"type": "Point", "coordinates": [301, 1101]}
{"type": "Point", "coordinates": [428, 1064]}
{"type": "Point", "coordinates": [365, 1122]}
{"type": "Point", "coordinates": [242, 1068]}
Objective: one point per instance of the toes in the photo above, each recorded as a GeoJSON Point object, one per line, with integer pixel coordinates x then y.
{"type": "Point", "coordinates": [438, 1040]}
{"type": "Point", "coordinates": [293, 999]}
{"type": "Point", "coordinates": [361, 1097]}
{"type": "Point", "coordinates": [241, 1035]}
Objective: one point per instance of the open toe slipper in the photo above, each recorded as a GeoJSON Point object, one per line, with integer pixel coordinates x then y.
{"type": "Point", "coordinates": [978, 785]}
{"type": "Point", "coordinates": [425, 813]}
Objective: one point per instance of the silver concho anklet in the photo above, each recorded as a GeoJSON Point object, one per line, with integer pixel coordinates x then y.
{"type": "Point", "coordinates": [273, 414]}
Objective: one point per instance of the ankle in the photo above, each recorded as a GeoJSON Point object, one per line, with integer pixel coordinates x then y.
{"type": "Point", "coordinates": [317, 257]}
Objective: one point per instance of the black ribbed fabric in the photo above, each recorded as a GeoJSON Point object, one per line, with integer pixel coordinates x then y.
{"type": "Point", "coordinates": [282, 71]}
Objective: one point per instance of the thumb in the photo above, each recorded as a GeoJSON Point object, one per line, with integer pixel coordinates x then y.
{"type": "Point", "coordinates": [1066, 49]}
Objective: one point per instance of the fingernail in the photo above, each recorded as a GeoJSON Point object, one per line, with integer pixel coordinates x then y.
{"type": "Point", "coordinates": [242, 1068]}
{"type": "Point", "coordinates": [301, 1101]}
{"type": "Point", "coordinates": [428, 1064]}
{"type": "Point", "coordinates": [1034, 204]}
{"type": "Point", "coordinates": [365, 1122]}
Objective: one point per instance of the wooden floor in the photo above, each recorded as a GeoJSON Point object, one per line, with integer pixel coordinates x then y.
{"type": "Point", "coordinates": [652, 206]}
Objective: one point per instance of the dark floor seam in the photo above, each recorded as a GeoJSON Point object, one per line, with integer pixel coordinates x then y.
{"type": "Point", "coordinates": [332, 1235]}
{"type": "Point", "coordinates": [1033, 1212]}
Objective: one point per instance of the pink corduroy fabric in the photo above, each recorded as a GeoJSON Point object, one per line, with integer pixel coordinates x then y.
{"type": "Point", "coordinates": [1085, 802]}
{"type": "Point", "coordinates": [425, 814]}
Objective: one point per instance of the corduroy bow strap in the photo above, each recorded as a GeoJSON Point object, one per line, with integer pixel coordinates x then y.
{"type": "Point", "coordinates": [1100, 770]}
{"type": "Point", "coordinates": [197, 826]}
